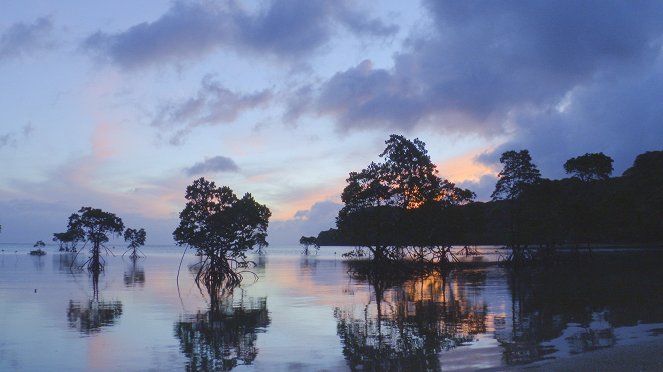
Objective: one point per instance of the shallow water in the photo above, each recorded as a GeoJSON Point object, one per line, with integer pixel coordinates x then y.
{"type": "Point", "coordinates": [307, 313]}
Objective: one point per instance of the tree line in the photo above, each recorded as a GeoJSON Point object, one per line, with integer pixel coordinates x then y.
{"type": "Point", "coordinates": [401, 207]}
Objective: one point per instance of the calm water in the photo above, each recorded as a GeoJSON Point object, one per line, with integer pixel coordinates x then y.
{"type": "Point", "coordinates": [307, 313]}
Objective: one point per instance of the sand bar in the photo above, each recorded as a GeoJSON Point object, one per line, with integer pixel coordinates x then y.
{"type": "Point", "coordinates": [646, 356]}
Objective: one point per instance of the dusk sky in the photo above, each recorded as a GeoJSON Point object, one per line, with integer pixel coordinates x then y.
{"type": "Point", "coordinates": [120, 105]}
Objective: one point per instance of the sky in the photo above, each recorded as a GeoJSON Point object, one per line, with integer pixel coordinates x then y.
{"type": "Point", "coordinates": [120, 105]}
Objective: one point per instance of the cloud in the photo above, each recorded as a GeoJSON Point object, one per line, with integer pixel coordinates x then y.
{"type": "Point", "coordinates": [22, 39]}
{"type": "Point", "coordinates": [478, 64]}
{"type": "Point", "coordinates": [188, 30]}
{"type": "Point", "coordinates": [215, 164]}
{"type": "Point", "coordinates": [321, 216]}
{"type": "Point", "coordinates": [213, 104]}
{"type": "Point", "coordinates": [620, 117]}
{"type": "Point", "coordinates": [11, 138]}
{"type": "Point", "coordinates": [483, 187]}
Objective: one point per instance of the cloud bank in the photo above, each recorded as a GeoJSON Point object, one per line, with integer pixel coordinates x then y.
{"type": "Point", "coordinates": [213, 104]}
{"type": "Point", "coordinates": [560, 78]}
{"type": "Point", "coordinates": [23, 39]}
{"type": "Point", "coordinates": [212, 165]}
{"type": "Point", "coordinates": [188, 30]}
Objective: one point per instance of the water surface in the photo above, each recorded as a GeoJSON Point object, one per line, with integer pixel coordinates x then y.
{"type": "Point", "coordinates": [308, 313]}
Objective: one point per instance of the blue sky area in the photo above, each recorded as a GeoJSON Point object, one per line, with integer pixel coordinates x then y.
{"type": "Point", "coordinates": [120, 105]}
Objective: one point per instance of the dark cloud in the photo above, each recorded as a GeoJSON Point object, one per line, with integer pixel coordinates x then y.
{"type": "Point", "coordinates": [359, 23]}
{"type": "Point", "coordinates": [23, 39]}
{"type": "Point", "coordinates": [558, 78]}
{"type": "Point", "coordinates": [188, 30]}
{"type": "Point", "coordinates": [483, 188]}
{"type": "Point", "coordinates": [310, 222]}
{"type": "Point", "coordinates": [213, 165]}
{"type": "Point", "coordinates": [621, 118]}
{"type": "Point", "coordinates": [479, 63]}
{"type": "Point", "coordinates": [213, 104]}
{"type": "Point", "coordinates": [363, 96]}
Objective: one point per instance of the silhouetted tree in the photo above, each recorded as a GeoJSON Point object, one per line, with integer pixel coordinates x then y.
{"type": "Point", "coordinates": [517, 173]}
{"type": "Point", "coordinates": [97, 227]}
{"type": "Point", "coordinates": [307, 242]}
{"type": "Point", "coordinates": [647, 166]}
{"type": "Point", "coordinates": [69, 239]}
{"type": "Point", "coordinates": [378, 198]}
{"type": "Point", "coordinates": [39, 251]}
{"type": "Point", "coordinates": [645, 192]}
{"type": "Point", "coordinates": [221, 228]}
{"type": "Point", "coordinates": [136, 239]}
{"type": "Point", "coordinates": [589, 167]}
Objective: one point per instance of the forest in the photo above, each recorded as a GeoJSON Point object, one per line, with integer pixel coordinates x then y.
{"type": "Point", "coordinates": [402, 203]}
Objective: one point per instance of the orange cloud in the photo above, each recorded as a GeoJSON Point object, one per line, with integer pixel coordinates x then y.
{"type": "Point", "coordinates": [464, 168]}
{"type": "Point", "coordinates": [303, 200]}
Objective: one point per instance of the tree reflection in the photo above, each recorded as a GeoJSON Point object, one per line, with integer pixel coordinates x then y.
{"type": "Point", "coordinates": [225, 336]}
{"type": "Point", "coordinates": [406, 324]}
{"type": "Point", "coordinates": [135, 275]}
{"type": "Point", "coordinates": [583, 301]}
{"type": "Point", "coordinates": [92, 315]}
{"type": "Point", "coordinates": [67, 263]}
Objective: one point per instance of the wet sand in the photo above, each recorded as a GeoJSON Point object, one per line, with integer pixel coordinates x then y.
{"type": "Point", "coordinates": [647, 356]}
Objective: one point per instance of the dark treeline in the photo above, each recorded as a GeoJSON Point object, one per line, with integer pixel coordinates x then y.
{"type": "Point", "coordinates": [589, 207]}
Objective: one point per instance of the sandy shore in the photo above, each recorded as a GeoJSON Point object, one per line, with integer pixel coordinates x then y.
{"type": "Point", "coordinates": [647, 356]}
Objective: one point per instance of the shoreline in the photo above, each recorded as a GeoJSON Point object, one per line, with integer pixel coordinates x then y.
{"type": "Point", "coordinates": [643, 356]}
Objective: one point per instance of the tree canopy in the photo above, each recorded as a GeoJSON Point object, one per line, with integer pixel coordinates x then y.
{"type": "Point", "coordinates": [95, 227]}
{"type": "Point", "coordinates": [517, 173]}
{"type": "Point", "coordinates": [590, 167]}
{"type": "Point", "coordinates": [221, 227]}
{"type": "Point", "coordinates": [307, 242]}
{"type": "Point", "coordinates": [136, 239]}
{"type": "Point", "coordinates": [69, 239]}
{"type": "Point", "coordinates": [381, 200]}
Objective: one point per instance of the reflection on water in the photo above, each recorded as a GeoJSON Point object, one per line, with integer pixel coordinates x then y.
{"type": "Point", "coordinates": [404, 326]}
{"type": "Point", "coordinates": [135, 274]}
{"type": "Point", "coordinates": [68, 263]}
{"type": "Point", "coordinates": [460, 319]}
{"type": "Point", "coordinates": [580, 304]}
{"type": "Point", "coordinates": [38, 261]}
{"type": "Point", "coordinates": [574, 307]}
{"type": "Point", "coordinates": [223, 337]}
{"type": "Point", "coordinates": [92, 315]}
